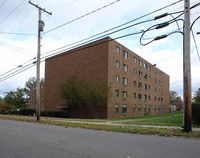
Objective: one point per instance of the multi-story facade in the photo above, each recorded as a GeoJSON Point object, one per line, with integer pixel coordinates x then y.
{"type": "Point", "coordinates": [32, 103]}
{"type": "Point", "coordinates": [137, 87]}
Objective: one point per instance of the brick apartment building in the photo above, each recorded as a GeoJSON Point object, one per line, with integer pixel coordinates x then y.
{"type": "Point", "coordinates": [32, 103]}
{"type": "Point", "coordinates": [137, 86]}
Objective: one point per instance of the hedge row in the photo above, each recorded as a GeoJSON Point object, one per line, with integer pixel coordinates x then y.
{"type": "Point", "coordinates": [31, 112]}
{"type": "Point", "coordinates": [196, 113]}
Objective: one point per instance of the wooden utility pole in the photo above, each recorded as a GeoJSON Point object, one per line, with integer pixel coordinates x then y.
{"type": "Point", "coordinates": [187, 70]}
{"type": "Point", "coordinates": [40, 28]}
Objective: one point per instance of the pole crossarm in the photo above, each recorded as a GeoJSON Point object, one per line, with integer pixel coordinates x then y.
{"type": "Point", "coordinates": [43, 9]}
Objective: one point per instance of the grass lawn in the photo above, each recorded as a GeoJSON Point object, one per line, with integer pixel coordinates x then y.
{"type": "Point", "coordinates": [177, 121]}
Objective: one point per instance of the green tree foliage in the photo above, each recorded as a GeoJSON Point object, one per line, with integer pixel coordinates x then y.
{"type": "Point", "coordinates": [70, 92]}
{"type": "Point", "coordinates": [84, 93]}
{"type": "Point", "coordinates": [6, 108]}
{"type": "Point", "coordinates": [175, 98]}
{"type": "Point", "coordinates": [16, 98]}
{"type": "Point", "coordinates": [196, 97]}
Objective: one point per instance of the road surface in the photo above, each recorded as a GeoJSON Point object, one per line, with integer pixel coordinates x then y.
{"type": "Point", "coordinates": [30, 140]}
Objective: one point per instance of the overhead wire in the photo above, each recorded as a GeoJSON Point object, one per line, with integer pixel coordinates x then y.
{"type": "Point", "coordinates": [169, 5]}
{"type": "Point", "coordinates": [12, 11]}
{"type": "Point", "coordinates": [81, 16]}
{"type": "Point", "coordinates": [15, 73]}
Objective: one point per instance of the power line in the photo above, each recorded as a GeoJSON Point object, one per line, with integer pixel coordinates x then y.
{"type": "Point", "coordinates": [3, 3]}
{"type": "Point", "coordinates": [15, 33]}
{"type": "Point", "coordinates": [102, 33]}
{"type": "Point", "coordinates": [82, 16]}
{"type": "Point", "coordinates": [12, 11]}
{"type": "Point", "coordinates": [169, 5]}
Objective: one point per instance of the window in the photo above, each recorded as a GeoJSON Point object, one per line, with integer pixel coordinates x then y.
{"type": "Point", "coordinates": [154, 108]}
{"type": "Point", "coordinates": [135, 71]}
{"type": "Point", "coordinates": [158, 90]}
{"type": "Point", "coordinates": [117, 64]}
{"type": "Point", "coordinates": [161, 83]}
{"type": "Point", "coordinates": [125, 67]}
{"type": "Point", "coordinates": [140, 63]}
{"type": "Point", "coordinates": [125, 81]}
{"type": "Point", "coordinates": [125, 54]}
{"type": "Point", "coordinates": [149, 87]}
{"type": "Point", "coordinates": [124, 109]}
{"type": "Point", "coordinates": [162, 75]}
{"type": "Point", "coordinates": [145, 97]}
{"type": "Point", "coordinates": [117, 79]}
{"type": "Point", "coordinates": [149, 78]}
{"type": "Point", "coordinates": [140, 85]}
{"type": "Point", "coordinates": [161, 99]}
{"type": "Point", "coordinates": [139, 96]}
{"type": "Point", "coordinates": [145, 109]}
{"type": "Point", "coordinates": [134, 95]}
{"type": "Point", "coordinates": [155, 98]}
{"type": "Point", "coordinates": [149, 97]}
{"type": "Point", "coordinates": [158, 107]}
{"type": "Point", "coordinates": [145, 76]}
{"type": "Point", "coordinates": [155, 80]}
{"type": "Point", "coordinates": [117, 49]}
{"type": "Point", "coordinates": [134, 84]}
{"type": "Point", "coordinates": [135, 60]}
{"type": "Point", "coordinates": [161, 92]}
{"type": "Point", "coordinates": [155, 71]}
{"type": "Point", "coordinates": [124, 94]}
{"type": "Point", "coordinates": [149, 108]}
{"type": "Point", "coordinates": [134, 108]}
{"type": "Point", "coordinates": [139, 109]}
{"type": "Point", "coordinates": [140, 74]}
{"type": "Point", "coordinates": [149, 68]}
{"type": "Point", "coordinates": [145, 65]}
{"type": "Point", "coordinates": [145, 86]}
{"type": "Point", "coordinates": [116, 108]}
{"type": "Point", "coordinates": [155, 89]}
{"type": "Point", "coordinates": [116, 93]}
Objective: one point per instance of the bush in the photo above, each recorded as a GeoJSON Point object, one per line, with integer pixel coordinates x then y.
{"type": "Point", "coordinates": [6, 108]}
{"type": "Point", "coordinates": [27, 112]}
{"type": "Point", "coordinates": [61, 114]}
{"type": "Point", "coordinates": [196, 113]}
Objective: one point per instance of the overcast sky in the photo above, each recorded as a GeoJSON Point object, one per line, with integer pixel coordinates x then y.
{"type": "Point", "coordinates": [21, 17]}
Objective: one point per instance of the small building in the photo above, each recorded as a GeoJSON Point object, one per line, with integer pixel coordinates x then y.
{"type": "Point", "coordinates": [137, 86]}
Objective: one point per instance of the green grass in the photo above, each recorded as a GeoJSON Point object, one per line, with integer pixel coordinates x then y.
{"type": "Point", "coordinates": [176, 121]}
{"type": "Point", "coordinates": [114, 128]}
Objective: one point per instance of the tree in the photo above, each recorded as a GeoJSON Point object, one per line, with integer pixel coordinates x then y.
{"type": "Point", "coordinates": [16, 98]}
{"type": "Point", "coordinates": [69, 91]}
{"type": "Point", "coordinates": [196, 97]}
{"type": "Point", "coordinates": [94, 94]}
{"type": "Point", "coordinates": [6, 108]}
{"type": "Point", "coordinates": [175, 98]}
{"type": "Point", "coordinates": [84, 93]}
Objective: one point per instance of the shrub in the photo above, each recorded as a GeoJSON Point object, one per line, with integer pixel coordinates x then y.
{"type": "Point", "coordinates": [61, 114]}
{"type": "Point", "coordinates": [27, 112]}
{"type": "Point", "coordinates": [6, 108]}
{"type": "Point", "coordinates": [196, 113]}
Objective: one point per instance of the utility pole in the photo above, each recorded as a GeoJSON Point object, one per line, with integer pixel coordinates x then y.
{"type": "Point", "coordinates": [187, 70]}
{"type": "Point", "coordinates": [40, 28]}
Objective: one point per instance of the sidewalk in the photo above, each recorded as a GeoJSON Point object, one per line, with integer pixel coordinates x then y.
{"type": "Point", "coordinates": [118, 124]}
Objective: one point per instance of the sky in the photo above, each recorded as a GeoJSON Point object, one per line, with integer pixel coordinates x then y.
{"type": "Point", "coordinates": [19, 27]}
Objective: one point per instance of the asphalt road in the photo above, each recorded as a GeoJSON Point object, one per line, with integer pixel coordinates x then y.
{"type": "Point", "coordinates": [29, 140]}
